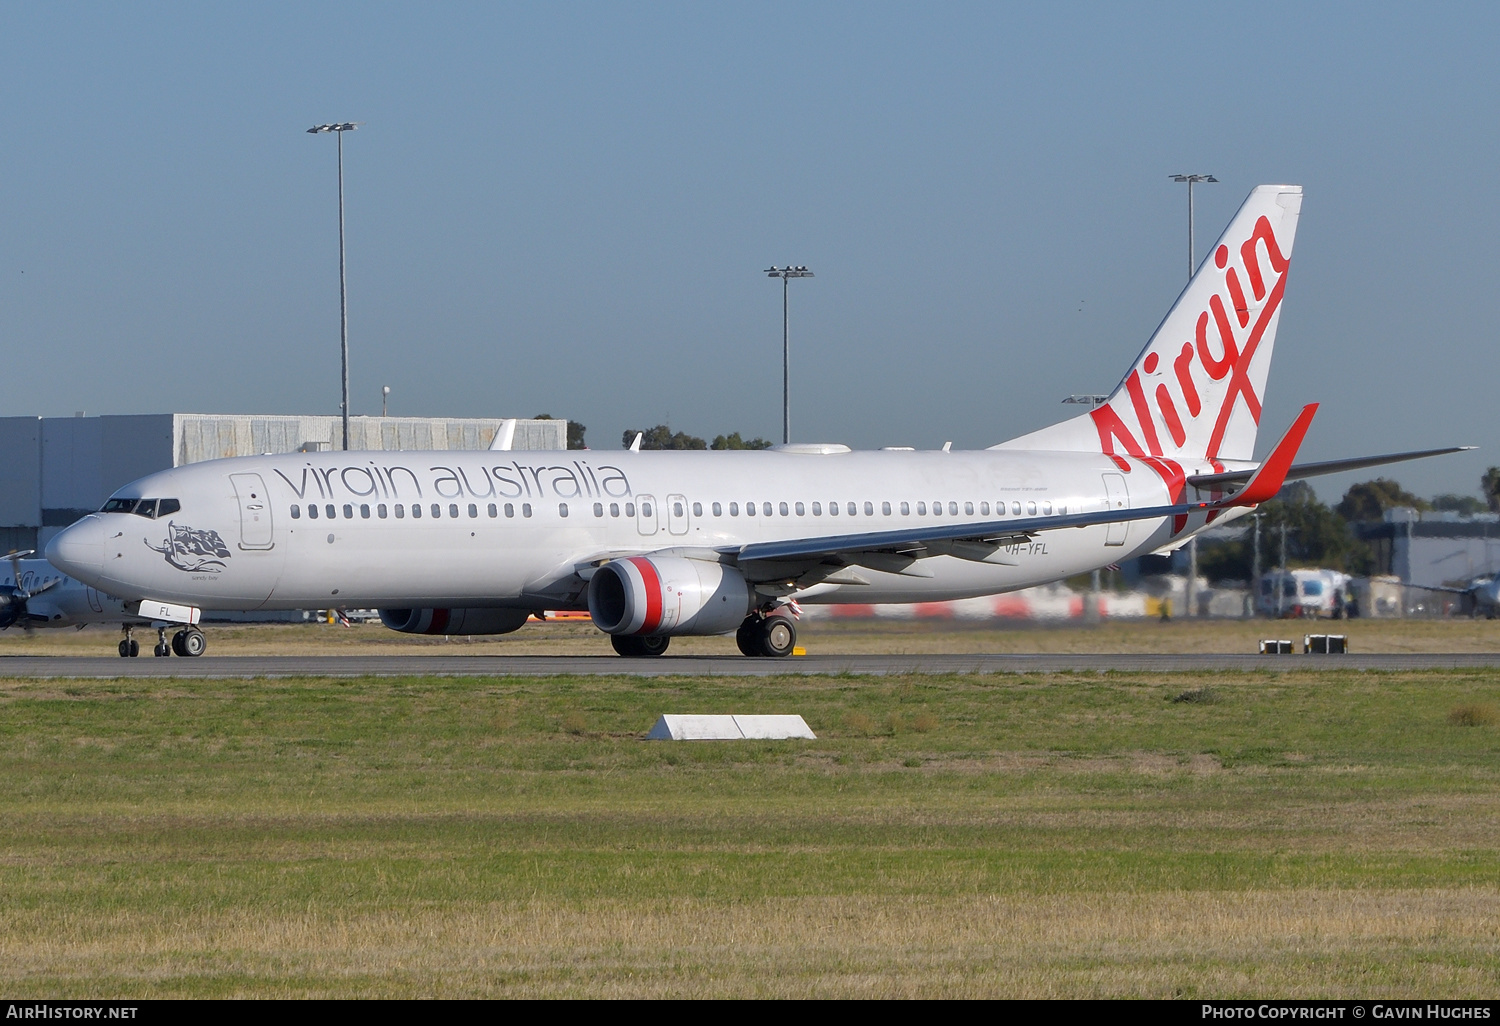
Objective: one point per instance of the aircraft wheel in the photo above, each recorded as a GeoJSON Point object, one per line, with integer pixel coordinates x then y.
{"type": "Point", "coordinates": [135, 648]}
{"type": "Point", "coordinates": [124, 649]}
{"type": "Point", "coordinates": [777, 636]}
{"type": "Point", "coordinates": [190, 642]}
{"type": "Point", "coordinates": [161, 650]}
{"type": "Point", "coordinates": [631, 645]}
{"type": "Point", "coordinates": [748, 637]}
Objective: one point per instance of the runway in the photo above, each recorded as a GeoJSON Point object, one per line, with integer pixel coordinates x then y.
{"type": "Point", "coordinates": [34, 667]}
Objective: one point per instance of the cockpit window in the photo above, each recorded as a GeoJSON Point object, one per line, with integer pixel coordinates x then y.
{"type": "Point", "coordinates": [149, 508]}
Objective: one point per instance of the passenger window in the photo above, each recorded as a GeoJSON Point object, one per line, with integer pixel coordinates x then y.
{"type": "Point", "coordinates": [869, 509]}
{"type": "Point", "coordinates": [817, 509]}
{"type": "Point", "coordinates": [921, 509]}
{"type": "Point", "coordinates": [364, 511]}
{"type": "Point", "coordinates": [1047, 508]}
{"type": "Point", "coordinates": [329, 510]}
{"type": "Point", "coordinates": [906, 509]}
{"type": "Point", "coordinates": [1062, 510]}
{"type": "Point", "coordinates": [677, 509]}
{"type": "Point", "coordinates": [381, 511]}
{"type": "Point", "coordinates": [968, 509]}
{"type": "Point", "coordinates": [614, 509]}
{"type": "Point", "coordinates": [885, 509]}
{"type": "Point", "coordinates": [416, 511]}
{"type": "Point", "coordinates": [453, 510]}
{"type": "Point", "coordinates": [296, 512]}
{"type": "Point", "coordinates": [937, 509]}
{"type": "Point", "coordinates": [697, 509]}
{"type": "Point", "coordinates": [852, 509]}
{"type": "Point", "coordinates": [718, 510]}
{"type": "Point", "coordinates": [833, 509]}
{"type": "Point", "coordinates": [400, 511]}
{"type": "Point", "coordinates": [510, 510]}
{"type": "Point", "coordinates": [562, 509]}
{"type": "Point", "coordinates": [525, 509]}
{"type": "Point", "coordinates": [749, 509]}
{"type": "Point", "coordinates": [984, 509]}
{"type": "Point", "coordinates": [646, 510]}
{"type": "Point", "coordinates": [598, 509]}
{"type": "Point", "coordinates": [801, 510]}
{"type": "Point", "coordinates": [348, 511]}
{"type": "Point", "coordinates": [473, 511]}
{"type": "Point", "coordinates": [630, 510]}
{"type": "Point", "coordinates": [493, 511]}
{"type": "Point", "coordinates": [1031, 509]}
{"type": "Point", "coordinates": [437, 511]}
{"type": "Point", "coordinates": [166, 506]}
{"type": "Point", "coordinates": [953, 509]}
{"type": "Point", "coordinates": [1015, 508]}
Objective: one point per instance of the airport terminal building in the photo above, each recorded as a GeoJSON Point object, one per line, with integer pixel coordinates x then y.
{"type": "Point", "coordinates": [53, 470]}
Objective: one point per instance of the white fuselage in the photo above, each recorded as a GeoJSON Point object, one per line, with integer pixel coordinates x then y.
{"type": "Point", "coordinates": [512, 528]}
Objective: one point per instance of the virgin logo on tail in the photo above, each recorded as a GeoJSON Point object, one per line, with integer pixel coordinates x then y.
{"type": "Point", "coordinates": [1200, 380]}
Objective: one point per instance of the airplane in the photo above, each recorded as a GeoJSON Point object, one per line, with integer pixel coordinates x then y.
{"type": "Point", "coordinates": [658, 544]}
{"type": "Point", "coordinates": [36, 595]}
{"type": "Point", "coordinates": [1482, 591]}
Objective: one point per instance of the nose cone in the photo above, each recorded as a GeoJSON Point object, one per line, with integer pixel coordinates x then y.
{"type": "Point", "coordinates": [78, 551]}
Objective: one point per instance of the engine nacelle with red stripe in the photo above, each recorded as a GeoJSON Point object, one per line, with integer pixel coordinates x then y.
{"type": "Point", "coordinates": [454, 621]}
{"type": "Point", "coordinates": [668, 595]}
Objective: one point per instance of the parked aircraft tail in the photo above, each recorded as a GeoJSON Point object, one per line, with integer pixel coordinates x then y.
{"type": "Point", "coordinates": [1195, 391]}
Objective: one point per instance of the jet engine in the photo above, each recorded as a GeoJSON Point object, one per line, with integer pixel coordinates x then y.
{"type": "Point", "coordinates": [664, 595]}
{"type": "Point", "coordinates": [454, 621]}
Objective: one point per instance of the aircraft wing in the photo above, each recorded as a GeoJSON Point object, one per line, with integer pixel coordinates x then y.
{"type": "Point", "coordinates": [1300, 470]}
{"type": "Point", "coordinates": [808, 560]}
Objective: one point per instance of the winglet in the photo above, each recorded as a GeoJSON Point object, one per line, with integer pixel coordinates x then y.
{"type": "Point", "coordinates": [635, 446]}
{"type": "Point", "coordinates": [1267, 481]}
{"type": "Point", "coordinates": [505, 436]}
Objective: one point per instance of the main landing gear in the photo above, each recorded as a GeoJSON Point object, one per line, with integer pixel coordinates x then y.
{"type": "Point", "coordinates": [773, 635]}
{"type": "Point", "coordinates": [187, 642]}
{"type": "Point", "coordinates": [633, 645]}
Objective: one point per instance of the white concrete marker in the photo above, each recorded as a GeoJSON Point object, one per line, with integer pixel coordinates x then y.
{"type": "Point", "coordinates": [673, 727]}
{"type": "Point", "coordinates": [774, 727]}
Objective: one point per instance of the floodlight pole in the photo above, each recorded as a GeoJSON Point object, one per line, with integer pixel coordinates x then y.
{"type": "Point", "coordinates": [786, 273]}
{"type": "Point", "coordinates": [339, 129]}
{"type": "Point", "coordinates": [1191, 180]}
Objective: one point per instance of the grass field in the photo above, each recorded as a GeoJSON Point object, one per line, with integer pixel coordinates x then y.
{"type": "Point", "coordinates": [1302, 834]}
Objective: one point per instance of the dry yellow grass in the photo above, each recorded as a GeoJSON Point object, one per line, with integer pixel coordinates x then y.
{"type": "Point", "coordinates": [1305, 943]}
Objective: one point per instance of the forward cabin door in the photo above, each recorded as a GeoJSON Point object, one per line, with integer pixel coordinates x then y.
{"type": "Point", "coordinates": [1117, 497]}
{"type": "Point", "coordinates": [255, 511]}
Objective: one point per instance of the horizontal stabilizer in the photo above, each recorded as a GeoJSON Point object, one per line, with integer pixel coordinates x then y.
{"type": "Point", "coordinates": [1298, 471]}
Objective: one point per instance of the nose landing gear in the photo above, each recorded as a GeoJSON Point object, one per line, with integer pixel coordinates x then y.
{"type": "Point", "coordinates": [187, 642]}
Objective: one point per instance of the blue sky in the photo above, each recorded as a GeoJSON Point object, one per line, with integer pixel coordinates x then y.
{"type": "Point", "coordinates": [566, 208]}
